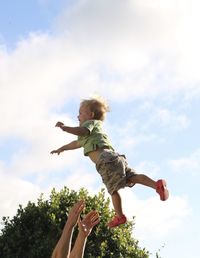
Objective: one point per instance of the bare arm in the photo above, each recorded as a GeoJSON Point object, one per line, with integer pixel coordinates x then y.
{"type": "Point", "coordinates": [70, 146]}
{"type": "Point", "coordinates": [85, 228]}
{"type": "Point", "coordinates": [78, 130]}
{"type": "Point", "coordinates": [63, 246]}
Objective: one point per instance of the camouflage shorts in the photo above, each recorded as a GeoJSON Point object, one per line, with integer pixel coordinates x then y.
{"type": "Point", "coordinates": [114, 170]}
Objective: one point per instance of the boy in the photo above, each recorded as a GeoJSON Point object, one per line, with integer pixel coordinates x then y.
{"type": "Point", "coordinates": [112, 166]}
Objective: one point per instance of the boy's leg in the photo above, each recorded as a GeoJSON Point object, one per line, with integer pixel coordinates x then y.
{"type": "Point", "coordinates": [143, 180]}
{"type": "Point", "coordinates": [120, 218]}
{"type": "Point", "coordinates": [117, 203]}
{"type": "Point", "coordinates": [159, 186]}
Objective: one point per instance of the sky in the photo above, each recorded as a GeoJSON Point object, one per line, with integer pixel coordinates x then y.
{"type": "Point", "coordinates": [143, 57]}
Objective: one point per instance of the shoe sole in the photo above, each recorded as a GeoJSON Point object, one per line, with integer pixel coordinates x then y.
{"type": "Point", "coordinates": [162, 190]}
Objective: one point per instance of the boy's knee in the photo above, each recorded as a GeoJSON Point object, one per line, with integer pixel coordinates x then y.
{"type": "Point", "coordinates": [131, 181]}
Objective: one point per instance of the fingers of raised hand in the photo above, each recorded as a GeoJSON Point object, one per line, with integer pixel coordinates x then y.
{"type": "Point", "coordinates": [91, 219]}
{"type": "Point", "coordinates": [75, 211]}
{"type": "Point", "coordinates": [77, 208]}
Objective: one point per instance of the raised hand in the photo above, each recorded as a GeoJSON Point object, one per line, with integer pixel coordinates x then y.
{"type": "Point", "coordinates": [75, 212]}
{"type": "Point", "coordinates": [88, 222]}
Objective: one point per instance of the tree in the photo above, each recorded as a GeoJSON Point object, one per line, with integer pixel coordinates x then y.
{"type": "Point", "coordinates": [35, 229]}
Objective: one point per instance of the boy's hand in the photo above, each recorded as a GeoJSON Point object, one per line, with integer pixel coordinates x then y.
{"type": "Point", "coordinates": [56, 151]}
{"type": "Point", "coordinates": [59, 124]}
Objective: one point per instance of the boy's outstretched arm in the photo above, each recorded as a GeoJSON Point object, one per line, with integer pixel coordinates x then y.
{"type": "Point", "coordinates": [70, 146]}
{"type": "Point", "coordinates": [78, 130]}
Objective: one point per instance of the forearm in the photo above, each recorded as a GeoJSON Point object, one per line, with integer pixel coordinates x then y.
{"type": "Point", "coordinates": [70, 146]}
{"type": "Point", "coordinates": [79, 131]}
{"type": "Point", "coordinates": [62, 249]}
{"type": "Point", "coordinates": [79, 246]}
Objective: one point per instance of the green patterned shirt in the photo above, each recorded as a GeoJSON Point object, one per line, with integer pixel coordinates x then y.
{"type": "Point", "coordinates": [96, 139]}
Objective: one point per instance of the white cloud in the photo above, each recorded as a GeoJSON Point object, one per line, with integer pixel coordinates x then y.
{"type": "Point", "coordinates": [117, 20]}
{"type": "Point", "coordinates": [131, 36]}
{"type": "Point", "coordinates": [189, 164]}
{"type": "Point", "coordinates": [170, 120]}
{"type": "Point", "coordinates": [15, 191]}
{"type": "Point", "coordinates": [83, 179]}
{"type": "Point", "coordinates": [166, 115]}
{"type": "Point", "coordinates": [44, 72]}
{"type": "Point", "coordinates": [153, 217]}
{"type": "Point", "coordinates": [18, 189]}
{"type": "Point", "coordinates": [150, 166]}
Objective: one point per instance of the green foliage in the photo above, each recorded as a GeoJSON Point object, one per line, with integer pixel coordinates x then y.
{"type": "Point", "coordinates": [35, 229]}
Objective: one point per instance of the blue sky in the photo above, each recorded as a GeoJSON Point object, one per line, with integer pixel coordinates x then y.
{"type": "Point", "coordinates": [143, 57]}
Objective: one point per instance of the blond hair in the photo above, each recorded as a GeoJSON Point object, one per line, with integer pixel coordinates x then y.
{"type": "Point", "coordinates": [98, 106]}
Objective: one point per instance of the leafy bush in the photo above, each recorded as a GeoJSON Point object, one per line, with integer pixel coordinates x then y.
{"type": "Point", "coordinates": [35, 229]}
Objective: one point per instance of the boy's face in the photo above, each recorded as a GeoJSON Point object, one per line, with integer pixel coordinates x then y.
{"type": "Point", "coordinates": [84, 114]}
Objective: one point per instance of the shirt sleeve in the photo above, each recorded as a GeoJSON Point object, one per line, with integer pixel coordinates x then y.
{"type": "Point", "coordinates": [90, 124]}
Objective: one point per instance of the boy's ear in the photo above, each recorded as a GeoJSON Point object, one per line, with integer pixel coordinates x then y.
{"type": "Point", "coordinates": [92, 114]}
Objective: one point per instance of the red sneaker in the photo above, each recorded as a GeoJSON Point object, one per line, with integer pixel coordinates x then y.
{"type": "Point", "coordinates": [162, 190]}
{"type": "Point", "coordinates": [116, 221]}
